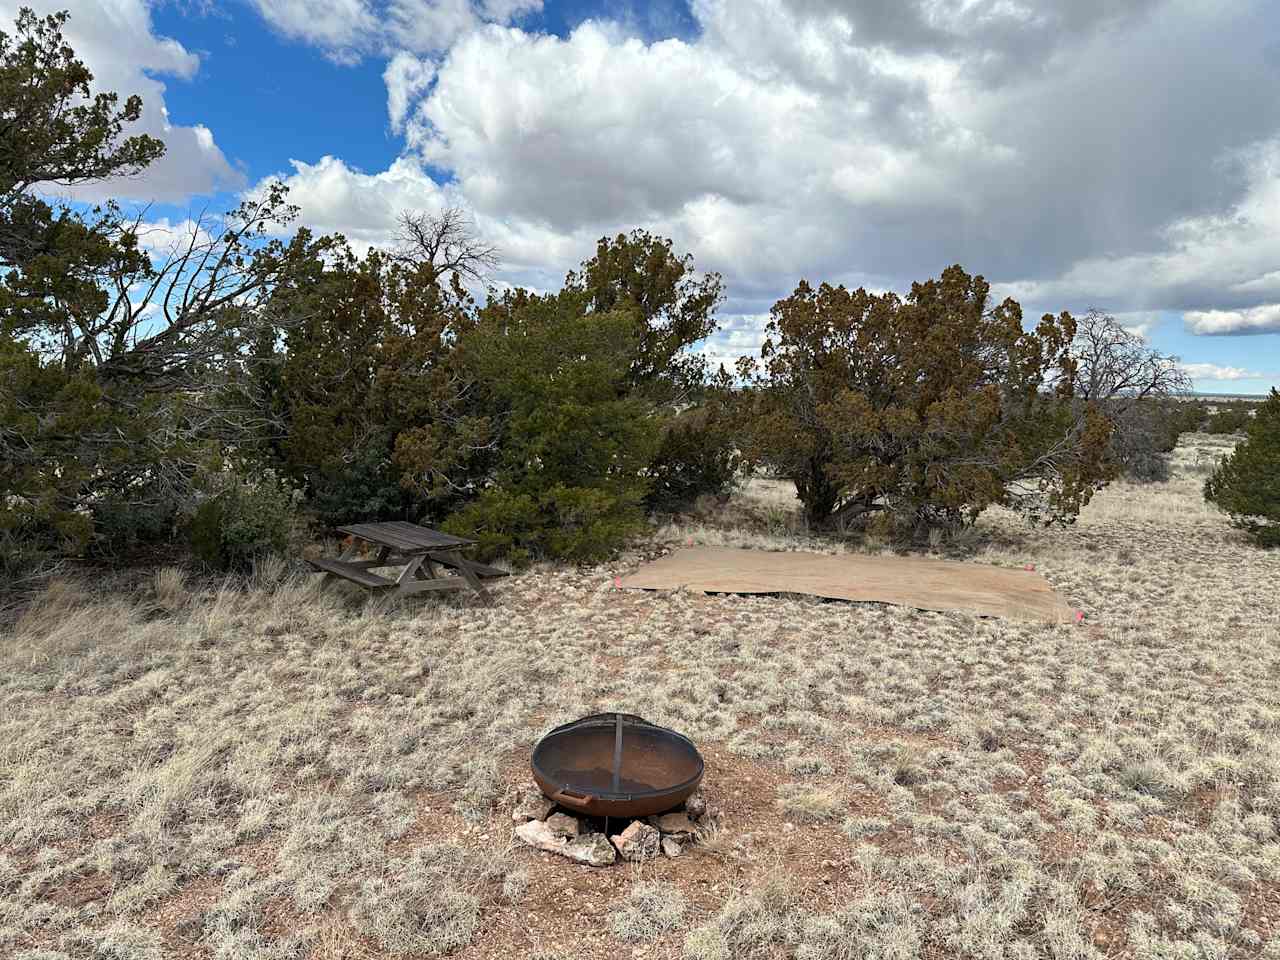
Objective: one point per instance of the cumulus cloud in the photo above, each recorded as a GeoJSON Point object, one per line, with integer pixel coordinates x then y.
{"type": "Point", "coordinates": [1070, 151]}
{"type": "Point", "coordinates": [1075, 153]}
{"type": "Point", "coordinates": [1260, 319]}
{"type": "Point", "coordinates": [347, 30]}
{"type": "Point", "coordinates": [407, 77]}
{"type": "Point", "coordinates": [116, 41]}
{"type": "Point", "coordinates": [1212, 371]}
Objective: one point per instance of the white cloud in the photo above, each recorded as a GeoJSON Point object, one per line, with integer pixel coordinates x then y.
{"type": "Point", "coordinates": [336, 25]}
{"type": "Point", "coordinates": [348, 29]}
{"type": "Point", "coordinates": [116, 41]}
{"type": "Point", "coordinates": [407, 77]}
{"type": "Point", "coordinates": [1260, 319]}
{"type": "Point", "coordinates": [160, 237]}
{"type": "Point", "coordinates": [1076, 154]}
{"type": "Point", "coordinates": [1212, 371]}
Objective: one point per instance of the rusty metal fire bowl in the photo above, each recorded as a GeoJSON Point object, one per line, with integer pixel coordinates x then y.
{"type": "Point", "coordinates": [616, 765]}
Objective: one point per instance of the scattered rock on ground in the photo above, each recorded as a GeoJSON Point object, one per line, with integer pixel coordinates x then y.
{"type": "Point", "coordinates": [531, 805]}
{"type": "Point", "coordinates": [593, 849]}
{"type": "Point", "coordinates": [563, 825]}
{"type": "Point", "coordinates": [638, 842]}
{"type": "Point", "coordinates": [696, 805]}
{"type": "Point", "coordinates": [678, 824]}
{"type": "Point", "coordinates": [671, 847]}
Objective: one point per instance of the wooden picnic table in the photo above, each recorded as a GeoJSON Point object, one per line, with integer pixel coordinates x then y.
{"type": "Point", "coordinates": [416, 550]}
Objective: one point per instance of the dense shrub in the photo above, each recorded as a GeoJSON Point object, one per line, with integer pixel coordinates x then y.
{"type": "Point", "coordinates": [1229, 418]}
{"type": "Point", "coordinates": [1246, 483]}
{"type": "Point", "coordinates": [698, 455]}
{"type": "Point", "coordinates": [568, 440]}
{"type": "Point", "coordinates": [927, 408]}
{"type": "Point", "coordinates": [243, 519]}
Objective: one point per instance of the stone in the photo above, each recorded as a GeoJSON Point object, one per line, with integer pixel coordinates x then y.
{"type": "Point", "coordinates": [696, 805]}
{"type": "Point", "coordinates": [191, 929]}
{"type": "Point", "coordinates": [563, 825]}
{"type": "Point", "coordinates": [531, 805]}
{"type": "Point", "coordinates": [638, 842]}
{"type": "Point", "coordinates": [677, 824]}
{"type": "Point", "coordinates": [593, 849]}
{"type": "Point", "coordinates": [671, 847]}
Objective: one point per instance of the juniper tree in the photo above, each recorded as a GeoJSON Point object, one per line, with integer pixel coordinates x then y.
{"type": "Point", "coordinates": [1247, 482]}
{"type": "Point", "coordinates": [929, 407]}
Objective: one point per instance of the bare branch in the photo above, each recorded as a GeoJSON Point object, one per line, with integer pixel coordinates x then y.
{"type": "Point", "coordinates": [445, 242]}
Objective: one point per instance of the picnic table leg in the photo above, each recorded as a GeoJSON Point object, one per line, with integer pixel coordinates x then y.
{"type": "Point", "coordinates": [408, 574]}
{"type": "Point", "coordinates": [465, 571]}
{"type": "Point", "coordinates": [350, 553]}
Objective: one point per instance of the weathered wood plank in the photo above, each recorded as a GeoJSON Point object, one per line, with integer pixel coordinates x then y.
{"type": "Point", "coordinates": [425, 535]}
{"type": "Point", "coordinates": [349, 571]}
{"type": "Point", "coordinates": [457, 560]}
{"type": "Point", "coordinates": [418, 586]}
{"type": "Point", "coordinates": [376, 533]}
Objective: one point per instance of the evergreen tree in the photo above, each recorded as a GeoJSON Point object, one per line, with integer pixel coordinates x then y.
{"type": "Point", "coordinates": [1247, 483]}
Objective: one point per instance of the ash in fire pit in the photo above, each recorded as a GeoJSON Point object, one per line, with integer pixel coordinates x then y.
{"type": "Point", "coordinates": [616, 772]}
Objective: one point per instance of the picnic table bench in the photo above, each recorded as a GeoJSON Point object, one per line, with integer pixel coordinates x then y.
{"type": "Point", "coordinates": [412, 548]}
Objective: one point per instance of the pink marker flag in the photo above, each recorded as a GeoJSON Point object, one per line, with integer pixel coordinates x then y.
{"type": "Point", "coordinates": [1030, 566]}
{"type": "Point", "coordinates": [1079, 616]}
{"type": "Point", "coordinates": [617, 582]}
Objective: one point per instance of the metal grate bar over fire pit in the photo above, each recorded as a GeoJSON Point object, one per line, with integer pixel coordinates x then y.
{"type": "Point", "coordinates": [616, 765]}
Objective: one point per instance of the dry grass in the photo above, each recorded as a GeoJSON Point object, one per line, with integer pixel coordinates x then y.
{"type": "Point", "coordinates": [268, 770]}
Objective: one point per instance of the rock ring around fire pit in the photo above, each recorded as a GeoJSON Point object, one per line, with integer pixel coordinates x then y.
{"type": "Point", "coordinates": [616, 765]}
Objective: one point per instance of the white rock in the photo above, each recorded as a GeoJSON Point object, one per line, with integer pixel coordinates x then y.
{"type": "Point", "coordinates": [563, 825]}
{"type": "Point", "coordinates": [531, 805]}
{"type": "Point", "coordinates": [593, 849]}
{"type": "Point", "coordinates": [671, 847]}
{"type": "Point", "coordinates": [677, 824]}
{"type": "Point", "coordinates": [638, 842]}
{"type": "Point", "coordinates": [696, 805]}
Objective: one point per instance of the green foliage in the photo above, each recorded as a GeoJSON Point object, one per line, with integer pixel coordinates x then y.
{"type": "Point", "coordinates": [244, 518]}
{"type": "Point", "coordinates": [929, 408]}
{"type": "Point", "coordinates": [567, 440]}
{"type": "Point", "coordinates": [1230, 417]}
{"type": "Point", "coordinates": [1247, 482]}
{"type": "Point", "coordinates": [119, 376]}
{"type": "Point", "coordinates": [673, 307]}
{"type": "Point", "coordinates": [698, 454]}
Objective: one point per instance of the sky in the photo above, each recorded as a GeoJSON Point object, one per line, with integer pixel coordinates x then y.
{"type": "Point", "coordinates": [1118, 154]}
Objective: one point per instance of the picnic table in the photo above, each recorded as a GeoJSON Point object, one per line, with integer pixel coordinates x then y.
{"type": "Point", "coordinates": [416, 550]}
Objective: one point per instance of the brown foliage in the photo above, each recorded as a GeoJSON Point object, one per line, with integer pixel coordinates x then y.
{"type": "Point", "coordinates": [931, 407]}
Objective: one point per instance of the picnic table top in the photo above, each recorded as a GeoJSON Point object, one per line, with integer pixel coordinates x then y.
{"type": "Point", "coordinates": [406, 537]}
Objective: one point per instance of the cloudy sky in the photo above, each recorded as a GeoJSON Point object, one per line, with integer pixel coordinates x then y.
{"type": "Point", "coordinates": [1123, 154]}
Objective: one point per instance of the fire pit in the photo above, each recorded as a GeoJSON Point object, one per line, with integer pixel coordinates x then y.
{"type": "Point", "coordinates": [616, 765]}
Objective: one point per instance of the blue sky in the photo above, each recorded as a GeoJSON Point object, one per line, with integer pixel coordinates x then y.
{"type": "Point", "coordinates": [1122, 155]}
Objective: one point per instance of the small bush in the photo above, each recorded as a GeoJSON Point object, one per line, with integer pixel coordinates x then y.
{"type": "Point", "coordinates": [242, 520]}
{"type": "Point", "coordinates": [120, 524]}
{"type": "Point", "coordinates": [1229, 419]}
{"type": "Point", "coordinates": [649, 910]}
{"type": "Point", "coordinates": [1246, 483]}
{"type": "Point", "coordinates": [697, 456]}
{"type": "Point", "coordinates": [811, 804]}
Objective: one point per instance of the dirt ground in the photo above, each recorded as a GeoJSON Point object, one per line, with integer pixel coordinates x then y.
{"type": "Point", "coordinates": [270, 769]}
